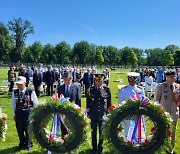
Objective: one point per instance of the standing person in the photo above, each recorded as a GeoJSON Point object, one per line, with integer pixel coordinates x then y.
{"type": "Point", "coordinates": [142, 74]}
{"type": "Point", "coordinates": [97, 103]}
{"type": "Point", "coordinates": [126, 93]}
{"type": "Point", "coordinates": [177, 75]}
{"type": "Point", "coordinates": [23, 100]}
{"type": "Point", "coordinates": [49, 79]}
{"type": "Point", "coordinates": [37, 80]}
{"type": "Point", "coordinates": [107, 75]}
{"type": "Point", "coordinates": [25, 74]}
{"type": "Point", "coordinates": [88, 80]}
{"type": "Point", "coordinates": [71, 91]}
{"type": "Point", "coordinates": [164, 94]}
{"type": "Point", "coordinates": [20, 68]}
{"type": "Point", "coordinates": [148, 82]}
{"type": "Point", "coordinates": [30, 72]}
{"type": "Point", "coordinates": [160, 75]}
{"type": "Point", "coordinates": [11, 77]}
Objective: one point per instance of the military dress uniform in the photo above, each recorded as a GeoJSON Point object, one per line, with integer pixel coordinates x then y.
{"type": "Point", "coordinates": [164, 94]}
{"type": "Point", "coordinates": [11, 78]}
{"type": "Point", "coordinates": [97, 103]}
{"type": "Point", "coordinates": [126, 93]}
{"type": "Point", "coordinates": [22, 103]}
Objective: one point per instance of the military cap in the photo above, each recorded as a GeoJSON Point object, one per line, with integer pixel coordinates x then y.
{"type": "Point", "coordinates": [99, 77]}
{"type": "Point", "coordinates": [170, 72]}
{"type": "Point", "coordinates": [132, 76]}
{"type": "Point", "coordinates": [20, 80]}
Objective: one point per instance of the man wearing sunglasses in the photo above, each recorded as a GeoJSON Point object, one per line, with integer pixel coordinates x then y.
{"type": "Point", "coordinates": [168, 95]}
{"type": "Point", "coordinates": [128, 92]}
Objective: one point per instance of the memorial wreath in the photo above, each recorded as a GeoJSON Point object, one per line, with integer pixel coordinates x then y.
{"type": "Point", "coordinates": [159, 133]}
{"type": "Point", "coordinates": [73, 118]}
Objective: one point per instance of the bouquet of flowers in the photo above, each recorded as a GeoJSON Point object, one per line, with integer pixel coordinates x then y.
{"type": "Point", "coordinates": [3, 125]}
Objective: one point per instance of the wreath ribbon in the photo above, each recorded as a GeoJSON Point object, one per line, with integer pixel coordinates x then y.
{"type": "Point", "coordinates": [137, 127]}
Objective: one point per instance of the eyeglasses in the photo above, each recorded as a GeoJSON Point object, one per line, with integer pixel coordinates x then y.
{"type": "Point", "coordinates": [132, 78]}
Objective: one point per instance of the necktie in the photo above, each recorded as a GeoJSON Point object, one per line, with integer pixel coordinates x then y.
{"type": "Point", "coordinates": [67, 91]}
{"type": "Point", "coordinates": [171, 86]}
{"type": "Point", "coordinates": [21, 94]}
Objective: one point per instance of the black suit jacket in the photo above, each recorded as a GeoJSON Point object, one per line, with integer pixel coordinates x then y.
{"type": "Point", "coordinates": [37, 79]}
{"type": "Point", "coordinates": [49, 77]}
{"type": "Point", "coordinates": [86, 81]}
{"type": "Point", "coordinates": [26, 75]}
{"type": "Point", "coordinates": [74, 93]}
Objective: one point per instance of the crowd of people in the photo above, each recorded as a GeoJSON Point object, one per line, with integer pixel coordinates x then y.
{"type": "Point", "coordinates": [51, 77]}
{"type": "Point", "coordinates": [157, 75]}
{"type": "Point", "coordinates": [72, 81]}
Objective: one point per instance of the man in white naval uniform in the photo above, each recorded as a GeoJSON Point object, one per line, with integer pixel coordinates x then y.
{"type": "Point", "coordinates": [126, 93]}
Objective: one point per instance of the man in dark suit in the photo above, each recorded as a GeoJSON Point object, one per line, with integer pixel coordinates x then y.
{"type": "Point", "coordinates": [49, 79]}
{"type": "Point", "coordinates": [25, 74]}
{"type": "Point", "coordinates": [88, 80]}
{"type": "Point", "coordinates": [69, 89]}
{"type": "Point", "coordinates": [37, 80]}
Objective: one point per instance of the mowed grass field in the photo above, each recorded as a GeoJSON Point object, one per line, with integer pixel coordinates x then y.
{"type": "Point", "coordinates": [12, 141]}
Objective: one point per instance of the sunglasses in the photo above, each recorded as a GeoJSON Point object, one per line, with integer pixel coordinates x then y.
{"type": "Point", "coordinates": [132, 78]}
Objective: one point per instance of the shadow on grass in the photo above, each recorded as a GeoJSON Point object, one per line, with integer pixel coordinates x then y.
{"type": "Point", "coordinates": [9, 150]}
{"type": "Point", "coordinates": [88, 151]}
{"type": "Point", "coordinates": [15, 150]}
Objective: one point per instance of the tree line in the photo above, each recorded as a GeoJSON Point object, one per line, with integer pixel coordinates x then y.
{"type": "Point", "coordinates": [13, 49]}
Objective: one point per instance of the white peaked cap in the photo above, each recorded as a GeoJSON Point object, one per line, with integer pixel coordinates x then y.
{"type": "Point", "coordinates": [135, 74]}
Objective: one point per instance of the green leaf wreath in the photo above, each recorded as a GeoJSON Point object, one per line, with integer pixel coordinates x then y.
{"type": "Point", "coordinates": [77, 123]}
{"type": "Point", "coordinates": [158, 140]}
{"type": "Point", "coordinates": [3, 125]}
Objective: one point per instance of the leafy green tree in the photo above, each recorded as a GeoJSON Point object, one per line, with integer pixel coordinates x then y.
{"type": "Point", "coordinates": [125, 52]}
{"type": "Point", "coordinates": [132, 59]}
{"type": "Point", "coordinates": [33, 53]}
{"type": "Point", "coordinates": [168, 59]}
{"type": "Point", "coordinates": [48, 54]}
{"type": "Point", "coordinates": [90, 56]}
{"type": "Point", "coordinates": [28, 56]}
{"type": "Point", "coordinates": [172, 48]}
{"type": "Point", "coordinates": [177, 57]}
{"type": "Point", "coordinates": [80, 52]}
{"type": "Point", "coordinates": [111, 55]}
{"type": "Point", "coordinates": [20, 29]}
{"type": "Point", "coordinates": [140, 55]}
{"type": "Point", "coordinates": [6, 43]}
{"type": "Point", "coordinates": [98, 57]}
{"type": "Point", "coordinates": [154, 56]}
{"type": "Point", "coordinates": [62, 53]}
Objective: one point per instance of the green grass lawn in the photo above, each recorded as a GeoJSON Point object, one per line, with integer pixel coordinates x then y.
{"type": "Point", "coordinates": [12, 141]}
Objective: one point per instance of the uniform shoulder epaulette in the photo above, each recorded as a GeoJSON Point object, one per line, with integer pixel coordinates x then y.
{"type": "Point", "coordinates": [164, 84]}
{"type": "Point", "coordinates": [140, 87]}
{"type": "Point", "coordinates": [124, 87]}
{"type": "Point", "coordinates": [160, 84]}
{"type": "Point", "coordinates": [105, 87]}
{"type": "Point", "coordinates": [92, 87]}
{"type": "Point", "coordinates": [88, 91]}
